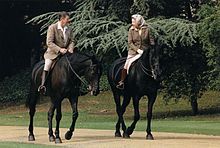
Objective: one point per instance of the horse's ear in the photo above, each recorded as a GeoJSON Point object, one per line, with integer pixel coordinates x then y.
{"type": "Point", "coordinates": [100, 59]}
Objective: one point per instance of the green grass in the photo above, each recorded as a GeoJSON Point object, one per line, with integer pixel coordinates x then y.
{"type": "Point", "coordinates": [22, 145]}
{"type": "Point", "coordinates": [99, 113]}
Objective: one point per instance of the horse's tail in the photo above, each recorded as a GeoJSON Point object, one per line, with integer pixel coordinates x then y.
{"type": "Point", "coordinates": [33, 95]}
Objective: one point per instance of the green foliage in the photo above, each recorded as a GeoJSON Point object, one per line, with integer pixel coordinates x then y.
{"type": "Point", "coordinates": [94, 30]}
{"type": "Point", "coordinates": [15, 89]}
{"type": "Point", "coordinates": [104, 85]}
{"type": "Point", "coordinates": [174, 31]}
{"type": "Point", "coordinates": [209, 35]}
{"type": "Point", "coordinates": [185, 73]}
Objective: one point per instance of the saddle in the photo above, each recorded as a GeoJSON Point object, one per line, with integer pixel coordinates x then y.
{"type": "Point", "coordinates": [40, 65]}
{"type": "Point", "coordinates": [118, 66]}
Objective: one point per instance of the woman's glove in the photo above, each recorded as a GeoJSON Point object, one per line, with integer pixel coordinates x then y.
{"type": "Point", "coordinates": [140, 51]}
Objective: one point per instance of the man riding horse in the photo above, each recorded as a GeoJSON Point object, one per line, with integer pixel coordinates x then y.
{"type": "Point", "coordinates": [65, 80]}
{"type": "Point", "coordinates": [59, 41]}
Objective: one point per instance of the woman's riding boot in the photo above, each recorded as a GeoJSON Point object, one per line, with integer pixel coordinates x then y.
{"type": "Point", "coordinates": [123, 76]}
{"type": "Point", "coordinates": [42, 89]}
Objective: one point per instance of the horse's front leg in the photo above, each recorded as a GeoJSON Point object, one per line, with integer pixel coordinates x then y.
{"type": "Point", "coordinates": [151, 100]}
{"type": "Point", "coordinates": [73, 102]}
{"type": "Point", "coordinates": [131, 128]}
{"type": "Point", "coordinates": [50, 118]}
{"type": "Point", "coordinates": [58, 118]}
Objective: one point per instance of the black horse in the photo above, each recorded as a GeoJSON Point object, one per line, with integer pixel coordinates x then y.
{"type": "Point", "coordinates": [143, 79]}
{"type": "Point", "coordinates": [64, 82]}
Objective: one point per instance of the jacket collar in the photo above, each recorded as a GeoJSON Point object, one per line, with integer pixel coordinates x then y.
{"type": "Point", "coordinates": [60, 27]}
{"type": "Point", "coordinates": [142, 27]}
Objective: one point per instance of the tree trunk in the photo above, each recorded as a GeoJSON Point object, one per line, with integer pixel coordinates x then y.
{"type": "Point", "coordinates": [188, 10]}
{"type": "Point", "coordinates": [194, 106]}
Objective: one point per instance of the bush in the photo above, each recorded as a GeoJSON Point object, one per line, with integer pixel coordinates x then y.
{"type": "Point", "coordinates": [15, 89]}
{"type": "Point", "coordinates": [104, 85]}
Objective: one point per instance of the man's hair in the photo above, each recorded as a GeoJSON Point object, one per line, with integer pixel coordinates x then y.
{"type": "Point", "coordinates": [63, 14]}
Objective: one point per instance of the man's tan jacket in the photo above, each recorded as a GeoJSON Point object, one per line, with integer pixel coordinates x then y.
{"type": "Point", "coordinates": [56, 41]}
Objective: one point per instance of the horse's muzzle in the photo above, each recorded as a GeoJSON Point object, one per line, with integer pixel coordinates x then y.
{"type": "Point", "coordinates": [94, 93]}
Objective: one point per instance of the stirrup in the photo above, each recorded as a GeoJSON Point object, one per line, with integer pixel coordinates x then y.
{"type": "Point", "coordinates": [120, 85]}
{"type": "Point", "coordinates": [42, 89]}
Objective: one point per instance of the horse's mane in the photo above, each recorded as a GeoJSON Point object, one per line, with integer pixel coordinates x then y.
{"type": "Point", "coordinates": [77, 57]}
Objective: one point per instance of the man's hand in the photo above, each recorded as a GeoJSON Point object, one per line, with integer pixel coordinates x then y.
{"type": "Point", "coordinates": [63, 50]}
{"type": "Point", "coordinates": [140, 51]}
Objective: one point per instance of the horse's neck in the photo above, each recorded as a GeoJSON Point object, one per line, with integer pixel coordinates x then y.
{"type": "Point", "coordinates": [144, 60]}
{"type": "Point", "coordinates": [81, 64]}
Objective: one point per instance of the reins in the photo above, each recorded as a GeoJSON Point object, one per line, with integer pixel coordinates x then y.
{"type": "Point", "coordinates": [70, 66]}
{"type": "Point", "coordinates": [147, 71]}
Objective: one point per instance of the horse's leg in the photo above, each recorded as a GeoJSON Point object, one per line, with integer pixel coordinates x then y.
{"type": "Point", "coordinates": [58, 118]}
{"type": "Point", "coordinates": [31, 103]}
{"type": "Point", "coordinates": [73, 102]}
{"type": "Point", "coordinates": [118, 111]}
{"type": "Point", "coordinates": [50, 118]}
{"type": "Point", "coordinates": [131, 128]}
{"type": "Point", "coordinates": [31, 128]}
{"type": "Point", "coordinates": [151, 100]}
{"type": "Point", "coordinates": [125, 103]}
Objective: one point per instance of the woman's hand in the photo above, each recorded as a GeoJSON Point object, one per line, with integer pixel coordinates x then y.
{"type": "Point", "coordinates": [140, 51]}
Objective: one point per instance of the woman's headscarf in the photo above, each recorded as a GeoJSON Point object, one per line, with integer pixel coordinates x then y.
{"type": "Point", "coordinates": [139, 19]}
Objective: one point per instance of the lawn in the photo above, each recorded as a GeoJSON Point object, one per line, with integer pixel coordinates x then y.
{"type": "Point", "coordinates": [22, 145]}
{"type": "Point", "coordinates": [99, 113]}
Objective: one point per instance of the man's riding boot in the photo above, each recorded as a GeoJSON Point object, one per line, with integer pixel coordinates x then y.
{"type": "Point", "coordinates": [42, 89]}
{"type": "Point", "coordinates": [123, 76]}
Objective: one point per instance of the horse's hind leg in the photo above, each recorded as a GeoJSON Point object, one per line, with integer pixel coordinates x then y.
{"type": "Point", "coordinates": [31, 103]}
{"type": "Point", "coordinates": [125, 103]}
{"type": "Point", "coordinates": [58, 118]}
{"type": "Point", "coordinates": [151, 100]}
{"type": "Point", "coordinates": [73, 102]}
{"type": "Point", "coordinates": [50, 118]}
{"type": "Point", "coordinates": [118, 110]}
{"type": "Point", "coordinates": [131, 128]}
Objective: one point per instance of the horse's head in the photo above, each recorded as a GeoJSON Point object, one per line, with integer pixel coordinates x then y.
{"type": "Point", "coordinates": [93, 75]}
{"type": "Point", "coordinates": [151, 61]}
{"type": "Point", "coordinates": [155, 63]}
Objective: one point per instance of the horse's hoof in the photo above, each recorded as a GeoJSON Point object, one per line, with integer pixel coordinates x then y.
{"type": "Point", "coordinates": [58, 140]}
{"type": "Point", "coordinates": [129, 131]}
{"type": "Point", "coordinates": [68, 135]}
{"type": "Point", "coordinates": [31, 137]}
{"type": "Point", "coordinates": [118, 134]}
{"type": "Point", "coordinates": [51, 138]}
{"type": "Point", "coordinates": [149, 137]}
{"type": "Point", "coordinates": [125, 135]}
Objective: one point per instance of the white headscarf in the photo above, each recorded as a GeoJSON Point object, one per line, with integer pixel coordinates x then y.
{"type": "Point", "coordinates": [139, 19]}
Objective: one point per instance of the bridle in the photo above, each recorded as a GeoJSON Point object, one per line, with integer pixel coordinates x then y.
{"type": "Point", "coordinates": [147, 71]}
{"type": "Point", "coordinates": [75, 73]}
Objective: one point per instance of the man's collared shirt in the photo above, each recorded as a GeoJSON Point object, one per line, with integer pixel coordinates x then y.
{"type": "Point", "coordinates": [62, 29]}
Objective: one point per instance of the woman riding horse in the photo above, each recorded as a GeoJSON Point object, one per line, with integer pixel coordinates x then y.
{"type": "Point", "coordinates": [139, 39]}
{"type": "Point", "coordinates": [143, 78]}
